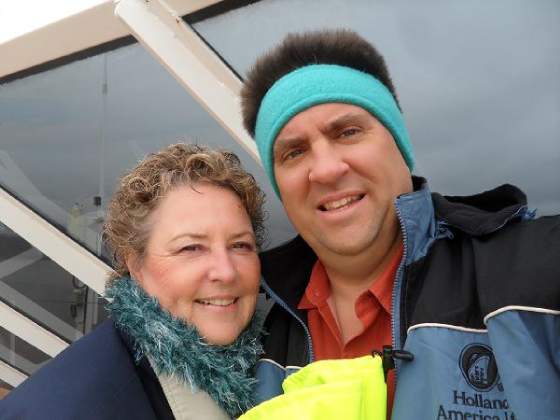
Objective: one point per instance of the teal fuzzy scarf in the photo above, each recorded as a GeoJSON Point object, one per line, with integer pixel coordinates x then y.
{"type": "Point", "coordinates": [175, 348]}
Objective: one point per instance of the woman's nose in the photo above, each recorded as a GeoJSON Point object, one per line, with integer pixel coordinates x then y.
{"type": "Point", "coordinates": [222, 267]}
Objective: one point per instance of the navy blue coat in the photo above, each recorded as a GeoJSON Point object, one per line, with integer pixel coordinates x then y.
{"type": "Point", "coordinates": [95, 378]}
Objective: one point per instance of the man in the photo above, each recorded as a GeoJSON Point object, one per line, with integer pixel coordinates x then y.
{"type": "Point", "coordinates": [465, 290]}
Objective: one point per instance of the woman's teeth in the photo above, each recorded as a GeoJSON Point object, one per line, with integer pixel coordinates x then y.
{"type": "Point", "coordinates": [216, 302]}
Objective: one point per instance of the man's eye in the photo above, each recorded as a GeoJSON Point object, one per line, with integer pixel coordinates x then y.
{"type": "Point", "coordinates": [291, 154]}
{"type": "Point", "coordinates": [349, 132]}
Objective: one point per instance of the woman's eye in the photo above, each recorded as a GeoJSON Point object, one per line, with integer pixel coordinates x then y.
{"type": "Point", "coordinates": [191, 248]}
{"type": "Point", "coordinates": [244, 246]}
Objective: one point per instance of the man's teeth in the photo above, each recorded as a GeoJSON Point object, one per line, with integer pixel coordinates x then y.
{"type": "Point", "coordinates": [333, 205]}
{"type": "Point", "coordinates": [216, 302]}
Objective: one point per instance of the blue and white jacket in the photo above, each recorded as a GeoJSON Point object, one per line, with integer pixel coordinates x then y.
{"type": "Point", "coordinates": [476, 301]}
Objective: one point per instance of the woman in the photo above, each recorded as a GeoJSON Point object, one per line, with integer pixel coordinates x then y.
{"type": "Point", "coordinates": [184, 227]}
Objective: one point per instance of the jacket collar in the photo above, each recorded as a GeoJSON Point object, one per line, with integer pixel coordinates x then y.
{"type": "Point", "coordinates": [482, 213]}
{"type": "Point", "coordinates": [426, 216]}
{"type": "Point", "coordinates": [416, 216]}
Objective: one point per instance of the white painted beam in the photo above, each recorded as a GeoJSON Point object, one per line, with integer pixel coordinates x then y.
{"type": "Point", "coordinates": [54, 244]}
{"type": "Point", "coordinates": [10, 375]}
{"type": "Point", "coordinates": [30, 332]}
{"type": "Point", "coordinates": [20, 362]}
{"type": "Point", "coordinates": [18, 262]}
{"type": "Point", "coordinates": [30, 308]}
{"type": "Point", "coordinates": [89, 28]}
{"type": "Point", "coordinates": [69, 35]}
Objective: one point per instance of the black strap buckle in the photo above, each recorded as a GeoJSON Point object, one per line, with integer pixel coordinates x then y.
{"type": "Point", "coordinates": [388, 356]}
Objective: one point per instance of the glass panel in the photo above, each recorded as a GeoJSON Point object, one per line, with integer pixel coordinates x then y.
{"type": "Point", "coordinates": [68, 134]}
{"type": "Point", "coordinates": [94, 311]}
{"type": "Point", "coordinates": [20, 354]}
{"type": "Point", "coordinates": [478, 81]}
{"type": "Point", "coordinates": [38, 288]}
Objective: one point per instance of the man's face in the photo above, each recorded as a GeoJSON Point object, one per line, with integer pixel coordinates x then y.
{"type": "Point", "coordinates": [339, 170]}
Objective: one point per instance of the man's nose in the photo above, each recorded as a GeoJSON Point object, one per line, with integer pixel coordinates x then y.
{"type": "Point", "coordinates": [222, 266]}
{"type": "Point", "coordinates": [327, 165]}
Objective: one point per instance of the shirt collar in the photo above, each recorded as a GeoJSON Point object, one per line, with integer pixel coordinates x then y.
{"type": "Point", "coordinates": [319, 289]}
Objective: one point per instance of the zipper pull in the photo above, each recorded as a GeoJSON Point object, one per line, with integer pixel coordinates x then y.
{"type": "Point", "coordinates": [388, 356]}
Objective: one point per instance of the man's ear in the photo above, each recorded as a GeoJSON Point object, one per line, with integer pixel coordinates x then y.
{"type": "Point", "coordinates": [134, 266]}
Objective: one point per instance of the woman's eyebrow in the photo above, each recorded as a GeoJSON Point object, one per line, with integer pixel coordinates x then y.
{"type": "Point", "coordinates": [191, 235]}
{"type": "Point", "coordinates": [243, 234]}
{"type": "Point", "coordinates": [198, 236]}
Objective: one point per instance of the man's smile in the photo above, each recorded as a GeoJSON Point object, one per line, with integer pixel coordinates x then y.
{"type": "Point", "coordinates": [337, 204]}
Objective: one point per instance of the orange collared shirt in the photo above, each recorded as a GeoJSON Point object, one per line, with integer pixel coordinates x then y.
{"type": "Point", "coordinates": [373, 309]}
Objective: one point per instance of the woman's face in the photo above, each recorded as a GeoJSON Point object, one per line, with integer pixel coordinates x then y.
{"type": "Point", "coordinates": [201, 261]}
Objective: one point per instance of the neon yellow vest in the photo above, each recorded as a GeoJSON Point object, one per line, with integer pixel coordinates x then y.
{"type": "Point", "coordinates": [352, 389]}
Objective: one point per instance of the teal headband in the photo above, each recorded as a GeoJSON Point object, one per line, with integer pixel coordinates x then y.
{"type": "Point", "coordinates": [323, 83]}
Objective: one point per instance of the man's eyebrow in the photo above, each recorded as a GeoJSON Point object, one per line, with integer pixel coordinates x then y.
{"type": "Point", "coordinates": [286, 143]}
{"type": "Point", "coordinates": [352, 117]}
{"type": "Point", "coordinates": [346, 119]}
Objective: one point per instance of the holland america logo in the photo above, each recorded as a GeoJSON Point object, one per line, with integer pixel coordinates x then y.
{"type": "Point", "coordinates": [479, 368]}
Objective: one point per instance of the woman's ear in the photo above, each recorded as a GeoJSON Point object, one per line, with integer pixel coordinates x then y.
{"type": "Point", "coordinates": [134, 266]}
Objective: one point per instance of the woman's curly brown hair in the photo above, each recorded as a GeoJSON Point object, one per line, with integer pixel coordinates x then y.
{"type": "Point", "coordinates": [126, 227]}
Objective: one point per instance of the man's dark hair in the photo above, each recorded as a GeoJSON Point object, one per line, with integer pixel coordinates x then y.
{"type": "Point", "coordinates": [342, 47]}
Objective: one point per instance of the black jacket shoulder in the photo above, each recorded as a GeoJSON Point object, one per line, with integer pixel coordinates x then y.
{"type": "Point", "coordinates": [94, 378]}
{"type": "Point", "coordinates": [496, 256]}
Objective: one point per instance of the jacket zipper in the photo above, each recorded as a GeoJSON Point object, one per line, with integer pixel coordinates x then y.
{"type": "Point", "coordinates": [396, 338]}
{"type": "Point", "coordinates": [397, 293]}
{"type": "Point", "coordinates": [280, 302]}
